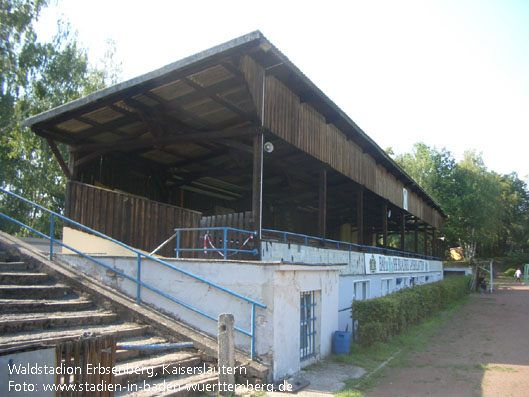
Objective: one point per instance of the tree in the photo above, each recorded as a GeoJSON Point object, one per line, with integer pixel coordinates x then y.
{"type": "Point", "coordinates": [486, 212]}
{"type": "Point", "coordinates": [36, 77]}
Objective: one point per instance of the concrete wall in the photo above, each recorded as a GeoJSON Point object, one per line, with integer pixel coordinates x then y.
{"type": "Point", "coordinates": [375, 288]}
{"type": "Point", "coordinates": [90, 244]}
{"type": "Point", "coordinates": [297, 253]}
{"type": "Point", "coordinates": [290, 281]}
{"type": "Point", "coordinates": [276, 285]}
{"type": "Point", "coordinates": [286, 271]}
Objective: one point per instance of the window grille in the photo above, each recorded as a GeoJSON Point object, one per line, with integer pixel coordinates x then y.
{"type": "Point", "coordinates": [307, 325]}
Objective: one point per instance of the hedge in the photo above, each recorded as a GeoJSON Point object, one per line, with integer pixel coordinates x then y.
{"type": "Point", "coordinates": [380, 318]}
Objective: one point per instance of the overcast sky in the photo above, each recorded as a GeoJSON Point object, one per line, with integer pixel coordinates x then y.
{"type": "Point", "coordinates": [449, 73]}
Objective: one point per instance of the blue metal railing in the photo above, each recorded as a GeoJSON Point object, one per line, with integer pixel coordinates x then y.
{"type": "Point", "coordinates": [284, 236]}
{"type": "Point", "coordinates": [137, 280]}
{"type": "Point", "coordinates": [222, 251]}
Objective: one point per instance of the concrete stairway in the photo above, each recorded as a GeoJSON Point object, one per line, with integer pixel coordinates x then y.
{"type": "Point", "coordinates": [36, 309]}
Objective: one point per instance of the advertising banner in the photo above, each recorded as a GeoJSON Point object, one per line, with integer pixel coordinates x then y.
{"type": "Point", "coordinates": [393, 264]}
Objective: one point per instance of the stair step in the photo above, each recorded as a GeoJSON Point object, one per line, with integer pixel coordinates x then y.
{"type": "Point", "coordinates": [42, 305]}
{"type": "Point", "coordinates": [34, 291]}
{"type": "Point", "coordinates": [15, 266]}
{"type": "Point", "coordinates": [160, 365]}
{"type": "Point", "coordinates": [190, 385]}
{"type": "Point", "coordinates": [54, 336]}
{"type": "Point", "coordinates": [32, 321]}
{"type": "Point", "coordinates": [23, 278]}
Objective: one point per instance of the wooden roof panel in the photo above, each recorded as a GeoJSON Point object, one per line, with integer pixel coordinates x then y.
{"type": "Point", "coordinates": [103, 115]}
{"type": "Point", "coordinates": [239, 97]}
{"type": "Point", "coordinates": [188, 150]}
{"type": "Point", "coordinates": [210, 76]}
{"type": "Point", "coordinates": [160, 156]}
{"type": "Point", "coordinates": [145, 100]}
{"type": "Point", "coordinates": [73, 126]}
{"type": "Point", "coordinates": [132, 128]}
{"type": "Point", "coordinates": [172, 90]}
{"type": "Point", "coordinates": [107, 137]}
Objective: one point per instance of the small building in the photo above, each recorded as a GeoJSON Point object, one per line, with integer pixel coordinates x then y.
{"type": "Point", "coordinates": [237, 136]}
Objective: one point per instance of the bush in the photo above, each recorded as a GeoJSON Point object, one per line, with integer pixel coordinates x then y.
{"type": "Point", "coordinates": [372, 332]}
{"type": "Point", "coordinates": [380, 318]}
{"type": "Point", "coordinates": [509, 272]}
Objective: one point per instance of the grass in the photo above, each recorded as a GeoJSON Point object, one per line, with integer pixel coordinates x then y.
{"type": "Point", "coordinates": [484, 367]}
{"type": "Point", "coordinates": [370, 358]}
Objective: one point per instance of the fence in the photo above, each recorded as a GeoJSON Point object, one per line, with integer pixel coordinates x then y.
{"type": "Point", "coordinates": [135, 221]}
{"type": "Point", "coordinates": [138, 281]}
{"type": "Point", "coordinates": [77, 357]}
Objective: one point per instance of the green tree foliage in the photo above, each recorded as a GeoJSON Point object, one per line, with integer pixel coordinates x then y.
{"type": "Point", "coordinates": [35, 77]}
{"type": "Point", "coordinates": [483, 207]}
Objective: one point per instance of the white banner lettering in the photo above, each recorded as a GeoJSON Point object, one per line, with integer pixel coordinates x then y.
{"type": "Point", "coordinates": [393, 264]}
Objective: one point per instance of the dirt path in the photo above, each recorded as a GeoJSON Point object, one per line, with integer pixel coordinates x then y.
{"type": "Point", "coordinates": [481, 351]}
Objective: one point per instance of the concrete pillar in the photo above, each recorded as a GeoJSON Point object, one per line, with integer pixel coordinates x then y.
{"type": "Point", "coordinates": [226, 354]}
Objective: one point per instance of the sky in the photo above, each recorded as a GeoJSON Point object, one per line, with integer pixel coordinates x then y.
{"type": "Point", "coordinates": [453, 74]}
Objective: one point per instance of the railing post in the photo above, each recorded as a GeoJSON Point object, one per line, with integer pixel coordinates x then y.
{"type": "Point", "coordinates": [225, 243]}
{"type": "Point", "coordinates": [138, 281]}
{"type": "Point", "coordinates": [226, 353]}
{"type": "Point", "coordinates": [178, 243]}
{"type": "Point", "coordinates": [252, 342]}
{"type": "Point", "coordinates": [51, 236]}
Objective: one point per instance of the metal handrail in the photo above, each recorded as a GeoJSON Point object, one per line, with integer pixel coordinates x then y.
{"type": "Point", "coordinates": [222, 251]}
{"type": "Point", "coordinates": [139, 254]}
{"type": "Point", "coordinates": [350, 246]}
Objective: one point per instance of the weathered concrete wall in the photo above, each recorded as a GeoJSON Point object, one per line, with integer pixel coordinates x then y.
{"type": "Point", "coordinates": [290, 282]}
{"type": "Point", "coordinates": [276, 285]}
{"type": "Point", "coordinates": [297, 253]}
{"type": "Point", "coordinates": [90, 244]}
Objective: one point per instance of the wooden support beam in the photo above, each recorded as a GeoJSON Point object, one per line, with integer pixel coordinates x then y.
{"type": "Point", "coordinates": [403, 231]}
{"type": "Point", "coordinates": [57, 153]}
{"type": "Point", "coordinates": [216, 98]}
{"type": "Point", "coordinates": [416, 233]}
{"type": "Point", "coordinates": [385, 224]}
{"type": "Point", "coordinates": [257, 186]}
{"type": "Point", "coordinates": [425, 235]}
{"type": "Point", "coordinates": [72, 168]}
{"type": "Point", "coordinates": [434, 242]}
{"type": "Point", "coordinates": [360, 214]}
{"type": "Point", "coordinates": [231, 143]}
{"type": "Point", "coordinates": [131, 144]}
{"type": "Point", "coordinates": [322, 201]}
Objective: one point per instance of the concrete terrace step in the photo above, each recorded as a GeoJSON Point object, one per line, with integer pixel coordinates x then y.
{"type": "Point", "coordinates": [33, 321]}
{"type": "Point", "coordinates": [23, 278]}
{"type": "Point", "coordinates": [44, 305]}
{"type": "Point", "coordinates": [61, 335]}
{"type": "Point", "coordinates": [182, 385]}
{"type": "Point", "coordinates": [34, 291]}
{"type": "Point", "coordinates": [160, 365]}
{"type": "Point", "coordinates": [15, 266]}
